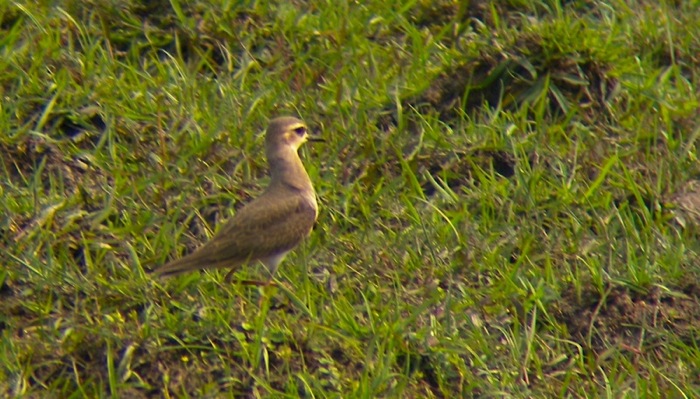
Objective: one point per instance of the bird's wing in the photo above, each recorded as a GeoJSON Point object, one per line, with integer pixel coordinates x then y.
{"type": "Point", "coordinates": [269, 225]}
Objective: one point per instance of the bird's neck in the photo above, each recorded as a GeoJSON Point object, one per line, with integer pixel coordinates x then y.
{"type": "Point", "coordinates": [286, 169]}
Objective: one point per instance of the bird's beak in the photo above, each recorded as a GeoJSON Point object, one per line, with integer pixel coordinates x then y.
{"type": "Point", "coordinates": [315, 139]}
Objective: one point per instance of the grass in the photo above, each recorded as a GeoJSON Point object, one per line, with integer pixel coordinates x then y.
{"type": "Point", "coordinates": [499, 187]}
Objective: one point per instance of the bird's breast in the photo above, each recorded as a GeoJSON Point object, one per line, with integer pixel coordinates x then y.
{"type": "Point", "coordinates": [310, 198]}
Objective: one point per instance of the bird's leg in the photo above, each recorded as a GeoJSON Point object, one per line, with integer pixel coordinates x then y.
{"type": "Point", "coordinates": [229, 276]}
{"type": "Point", "coordinates": [257, 283]}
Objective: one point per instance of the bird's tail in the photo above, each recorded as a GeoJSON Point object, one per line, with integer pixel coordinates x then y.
{"type": "Point", "coordinates": [199, 259]}
{"type": "Point", "coordinates": [178, 266]}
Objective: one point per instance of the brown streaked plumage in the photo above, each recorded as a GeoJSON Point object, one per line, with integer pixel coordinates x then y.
{"type": "Point", "coordinates": [272, 224]}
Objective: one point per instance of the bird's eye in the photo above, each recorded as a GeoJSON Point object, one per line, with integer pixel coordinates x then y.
{"type": "Point", "coordinates": [300, 131]}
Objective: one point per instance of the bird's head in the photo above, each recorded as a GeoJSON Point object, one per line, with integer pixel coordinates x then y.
{"type": "Point", "coordinates": [287, 131]}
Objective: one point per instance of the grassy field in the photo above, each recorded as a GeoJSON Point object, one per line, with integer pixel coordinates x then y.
{"type": "Point", "coordinates": [508, 198]}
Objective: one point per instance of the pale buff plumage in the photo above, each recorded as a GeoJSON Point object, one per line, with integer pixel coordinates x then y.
{"type": "Point", "coordinates": [270, 226]}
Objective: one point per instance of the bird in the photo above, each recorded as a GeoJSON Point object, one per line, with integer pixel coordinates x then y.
{"type": "Point", "coordinates": [271, 225]}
